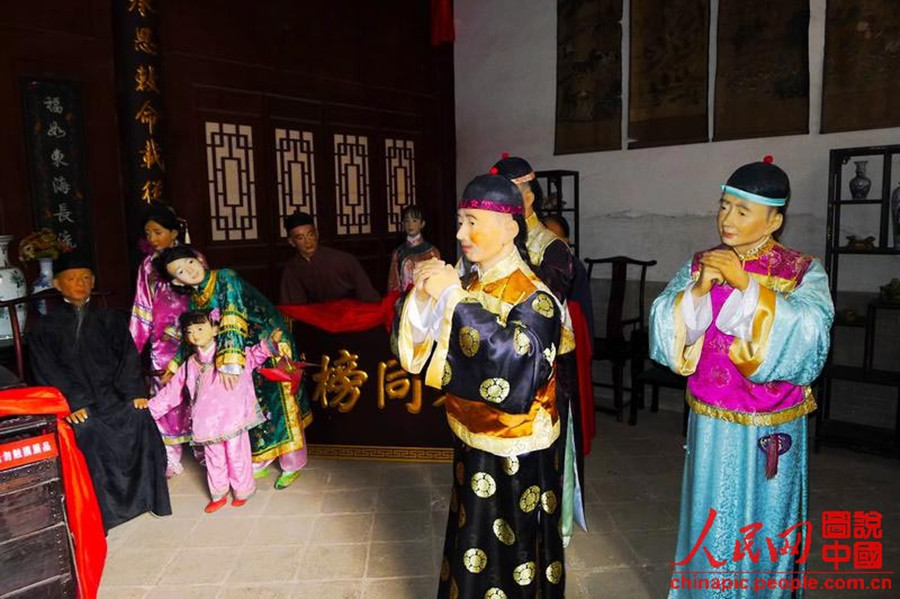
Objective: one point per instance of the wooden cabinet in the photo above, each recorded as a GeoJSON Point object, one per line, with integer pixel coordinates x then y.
{"type": "Point", "coordinates": [35, 548]}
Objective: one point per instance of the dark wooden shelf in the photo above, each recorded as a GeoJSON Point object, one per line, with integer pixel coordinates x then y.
{"type": "Point", "coordinates": [863, 375]}
{"type": "Point", "coordinates": [875, 252]}
{"type": "Point", "coordinates": [859, 202]}
{"type": "Point", "coordinates": [856, 324]}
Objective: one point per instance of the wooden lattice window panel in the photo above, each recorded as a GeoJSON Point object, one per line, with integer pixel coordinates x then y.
{"type": "Point", "coordinates": [296, 173]}
{"type": "Point", "coordinates": [351, 173]}
{"type": "Point", "coordinates": [400, 164]}
{"type": "Point", "coordinates": [232, 182]}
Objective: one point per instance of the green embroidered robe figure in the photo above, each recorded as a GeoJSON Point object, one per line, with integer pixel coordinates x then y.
{"type": "Point", "coordinates": [246, 318]}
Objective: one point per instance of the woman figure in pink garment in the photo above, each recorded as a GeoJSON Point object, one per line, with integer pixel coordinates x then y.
{"type": "Point", "coordinates": [154, 321]}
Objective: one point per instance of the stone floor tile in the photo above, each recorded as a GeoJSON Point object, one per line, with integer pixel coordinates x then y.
{"type": "Point", "coordinates": [402, 526]}
{"type": "Point", "coordinates": [258, 591]}
{"type": "Point", "coordinates": [111, 592]}
{"type": "Point", "coordinates": [608, 550]}
{"type": "Point", "coordinates": [349, 501]}
{"type": "Point", "coordinates": [655, 548]}
{"type": "Point", "coordinates": [329, 562]}
{"type": "Point", "coordinates": [419, 587]}
{"type": "Point", "coordinates": [399, 559]}
{"type": "Point", "coordinates": [266, 564]}
{"type": "Point", "coordinates": [282, 530]}
{"type": "Point", "coordinates": [342, 528]}
{"type": "Point", "coordinates": [220, 532]}
{"type": "Point", "coordinates": [404, 499]}
{"type": "Point", "coordinates": [622, 582]}
{"type": "Point", "coordinates": [332, 589]}
{"type": "Point", "coordinates": [284, 503]}
{"type": "Point", "coordinates": [184, 592]}
{"type": "Point", "coordinates": [200, 565]}
{"type": "Point", "coordinates": [135, 565]}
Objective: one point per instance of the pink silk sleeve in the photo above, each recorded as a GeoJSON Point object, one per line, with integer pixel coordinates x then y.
{"type": "Point", "coordinates": [258, 354]}
{"type": "Point", "coordinates": [141, 321]}
{"type": "Point", "coordinates": [169, 397]}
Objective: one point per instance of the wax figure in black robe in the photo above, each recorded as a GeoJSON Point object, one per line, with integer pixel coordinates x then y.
{"type": "Point", "coordinates": [87, 352]}
{"type": "Point", "coordinates": [492, 340]}
{"type": "Point", "coordinates": [553, 263]}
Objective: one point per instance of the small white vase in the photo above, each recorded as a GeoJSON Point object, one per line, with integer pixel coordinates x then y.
{"type": "Point", "coordinates": [12, 285]}
{"type": "Point", "coordinates": [44, 281]}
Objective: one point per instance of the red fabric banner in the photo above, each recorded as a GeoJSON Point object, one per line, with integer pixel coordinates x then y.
{"type": "Point", "coordinates": [585, 376]}
{"type": "Point", "coordinates": [346, 315]}
{"type": "Point", "coordinates": [81, 502]}
{"type": "Point", "coordinates": [442, 31]}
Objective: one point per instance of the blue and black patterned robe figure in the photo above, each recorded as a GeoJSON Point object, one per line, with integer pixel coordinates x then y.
{"type": "Point", "coordinates": [492, 345]}
{"type": "Point", "coordinates": [554, 265]}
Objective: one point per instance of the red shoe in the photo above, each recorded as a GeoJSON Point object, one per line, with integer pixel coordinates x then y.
{"type": "Point", "coordinates": [214, 506]}
{"type": "Point", "coordinates": [238, 502]}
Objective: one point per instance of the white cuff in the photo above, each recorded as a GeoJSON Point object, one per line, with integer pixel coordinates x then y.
{"type": "Point", "coordinates": [425, 316]}
{"type": "Point", "coordinates": [697, 317]}
{"type": "Point", "coordinates": [736, 316]}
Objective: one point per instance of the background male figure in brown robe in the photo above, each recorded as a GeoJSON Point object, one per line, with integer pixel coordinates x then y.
{"type": "Point", "coordinates": [320, 273]}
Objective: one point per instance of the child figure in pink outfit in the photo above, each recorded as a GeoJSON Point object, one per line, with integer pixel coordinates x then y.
{"type": "Point", "coordinates": [220, 416]}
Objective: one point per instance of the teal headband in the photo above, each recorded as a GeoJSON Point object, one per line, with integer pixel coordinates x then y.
{"type": "Point", "coordinates": [752, 197]}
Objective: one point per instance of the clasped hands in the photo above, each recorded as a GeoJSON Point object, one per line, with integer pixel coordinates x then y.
{"type": "Point", "coordinates": [432, 277]}
{"type": "Point", "coordinates": [718, 267]}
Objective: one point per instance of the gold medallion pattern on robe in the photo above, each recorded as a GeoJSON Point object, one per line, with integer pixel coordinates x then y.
{"type": "Point", "coordinates": [504, 532]}
{"type": "Point", "coordinates": [494, 593]}
{"type": "Point", "coordinates": [475, 560]}
{"type": "Point", "coordinates": [554, 572]}
{"type": "Point", "coordinates": [543, 305]}
{"type": "Point", "coordinates": [462, 515]}
{"type": "Point", "coordinates": [511, 465]}
{"type": "Point", "coordinates": [521, 342]}
{"type": "Point", "coordinates": [548, 502]}
{"type": "Point", "coordinates": [483, 484]}
{"type": "Point", "coordinates": [469, 341]}
{"type": "Point", "coordinates": [454, 589]}
{"type": "Point", "coordinates": [445, 569]}
{"type": "Point", "coordinates": [524, 573]}
{"type": "Point", "coordinates": [494, 390]}
{"type": "Point", "coordinates": [448, 374]}
{"type": "Point", "coordinates": [530, 499]}
{"type": "Point", "coordinates": [460, 473]}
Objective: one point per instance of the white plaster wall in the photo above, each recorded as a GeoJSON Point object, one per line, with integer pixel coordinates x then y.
{"type": "Point", "coordinates": [651, 203]}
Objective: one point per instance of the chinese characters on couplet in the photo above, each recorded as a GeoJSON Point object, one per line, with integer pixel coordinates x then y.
{"type": "Point", "coordinates": [848, 537]}
{"type": "Point", "coordinates": [57, 158]}
{"type": "Point", "coordinates": [339, 383]}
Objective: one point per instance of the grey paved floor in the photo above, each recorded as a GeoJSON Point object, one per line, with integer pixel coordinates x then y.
{"type": "Point", "coordinates": [374, 530]}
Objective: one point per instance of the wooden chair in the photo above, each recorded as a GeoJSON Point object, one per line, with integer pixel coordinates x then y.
{"type": "Point", "coordinates": [656, 376]}
{"type": "Point", "coordinates": [616, 346]}
{"type": "Point", "coordinates": [16, 345]}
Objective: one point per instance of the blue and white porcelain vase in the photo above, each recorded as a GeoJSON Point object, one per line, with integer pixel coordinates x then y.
{"type": "Point", "coordinates": [44, 281]}
{"type": "Point", "coordinates": [860, 184]}
{"type": "Point", "coordinates": [12, 286]}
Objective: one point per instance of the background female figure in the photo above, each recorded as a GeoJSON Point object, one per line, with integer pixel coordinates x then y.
{"type": "Point", "coordinates": [414, 250]}
{"type": "Point", "coordinates": [154, 320]}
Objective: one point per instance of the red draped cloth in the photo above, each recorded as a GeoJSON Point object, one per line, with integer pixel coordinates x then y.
{"type": "Point", "coordinates": [442, 30]}
{"type": "Point", "coordinates": [81, 503]}
{"type": "Point", "coordinates": [585, 376]}
{"type": "Point", "coordinates": [345, 315]}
